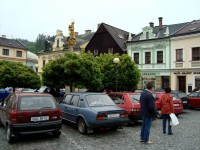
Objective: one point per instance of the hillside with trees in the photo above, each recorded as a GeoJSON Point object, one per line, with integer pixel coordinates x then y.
{"type": "Point", "coordinates": [39, 43]}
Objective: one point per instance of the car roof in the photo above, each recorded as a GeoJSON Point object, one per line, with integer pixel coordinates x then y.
{"type": "Point", "coordinates": [86, 93]}
{"type": "Point", "coordinates": [31, 94]}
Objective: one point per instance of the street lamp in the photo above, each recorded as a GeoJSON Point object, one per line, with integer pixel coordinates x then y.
{"type": "Point", "coordinates": [116, 61]}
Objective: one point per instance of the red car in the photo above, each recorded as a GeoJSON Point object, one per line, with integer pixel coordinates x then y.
{"type": "Point", "coordinates": [194, 99]}
{"type": "Point", "coordinates": [128, 101]}
{"type": "Point", "coordinates": [178, 105]}
{"type": "Point", "coordinates": [27, 113]}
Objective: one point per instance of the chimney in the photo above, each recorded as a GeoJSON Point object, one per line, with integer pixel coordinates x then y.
{"type": "Point", "coordinates": [88, 31]}
{"type": "Point", "coordinates": [160, 23]}
{"type": "Point", "coordinates": [151, 24]}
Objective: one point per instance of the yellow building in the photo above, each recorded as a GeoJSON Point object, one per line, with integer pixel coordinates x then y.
{"type": "Point", "coordinates": [12, 50]}
{"type": "Point", "coordinates": [61, 45]}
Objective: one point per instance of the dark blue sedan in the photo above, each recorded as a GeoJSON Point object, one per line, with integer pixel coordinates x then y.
{"type": "Point", "coordinates": [92, 111]}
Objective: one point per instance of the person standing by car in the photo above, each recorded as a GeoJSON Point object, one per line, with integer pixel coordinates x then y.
{"type": "Point", "coordinates": [148, 110]}
{"type": "Point", "coordinates": [167, 108]}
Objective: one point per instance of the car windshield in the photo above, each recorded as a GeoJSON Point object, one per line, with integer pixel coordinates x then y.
{"type": "Point", "coordinates": [181, 94]}
{"type": "Point", "coordinates": [95, 100]}
{"type": "Point", "coordinates": [36, 103]}
{"type": "Point", "coordinates": [135, 97]}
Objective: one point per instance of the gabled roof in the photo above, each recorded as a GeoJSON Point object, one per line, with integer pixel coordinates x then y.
{"type": "Point", "coordinates": [191, 28]}
{"type": "Point", "coordinates": [119, 35]}
{"type": "Point", "coordinates": [11, 43]}
{"type": "Point", "coordinates": [165, 31]}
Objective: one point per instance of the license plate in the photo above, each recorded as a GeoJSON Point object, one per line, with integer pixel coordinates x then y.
{"type": "Point", "coordinates": [113, 115]}
{"type": "Point", "coordinates": [184, 102]}
{"type": "Point", "coordinates": [176, 104]}
{"type": "Point", "coordinates": [41, 118]}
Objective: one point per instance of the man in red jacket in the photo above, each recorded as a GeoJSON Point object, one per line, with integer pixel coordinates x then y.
{"type": "Point", "coordinates": [167, 108]}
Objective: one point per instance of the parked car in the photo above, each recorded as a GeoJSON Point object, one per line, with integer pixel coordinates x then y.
{"type": "Point", "coordinates": [92, 111]}
{"type": "Point", "coordinates": [129, 101]}
{"type": "Point", "coordinates": [178, 105]}
{"type": "Point", "coordinates": [194, 99]}
{"type": "Point", "coordinates": [181, 95]}
{"type": "Point", "coordinates": [3, 94]}
{"type": "Point", "coordinates": [26, 113]}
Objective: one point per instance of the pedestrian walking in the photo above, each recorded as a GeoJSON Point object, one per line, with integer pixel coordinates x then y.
{"type": "Point", "coordinates": [148, 109]}
{"type": "Point", "coordinates": [167, 108]}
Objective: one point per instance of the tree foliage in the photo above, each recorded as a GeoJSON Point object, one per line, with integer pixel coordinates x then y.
{"type": "Point", "coordinates": [14, 74]}
{"type": "Point", "coordinates": [121, 77]}
{"type": "Point", "coordinates": [73, 70]}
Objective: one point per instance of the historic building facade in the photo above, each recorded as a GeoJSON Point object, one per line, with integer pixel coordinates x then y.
{"type": "Point", "coordinates": [185, 50]}
{"type": "Point", "coordinates": [151, 51]}
{"type": "Point", "coordinates": [12, 50]}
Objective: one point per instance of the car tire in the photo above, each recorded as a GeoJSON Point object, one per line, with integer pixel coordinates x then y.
{"type": "Point", "coordinates": [9, 135]}
{"type": "Point", "coordinates": [82, 127]}
{"type": "Point", "coordinates": [56, 133]}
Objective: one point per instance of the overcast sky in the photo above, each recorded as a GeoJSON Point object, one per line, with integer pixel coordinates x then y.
{"type": "Point", "coordinates": [27, 18]}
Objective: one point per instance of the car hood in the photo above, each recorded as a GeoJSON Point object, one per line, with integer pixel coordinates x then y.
{"type": "Point", "coordinates": [106, 108]}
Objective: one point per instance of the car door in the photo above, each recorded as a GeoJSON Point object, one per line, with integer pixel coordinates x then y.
{"type": "Point", "coordinates": [198, 100]}
{"type": "Point", "coordinates": [65, 107]}
{"type": "Point", "coordinates": [75, 107]}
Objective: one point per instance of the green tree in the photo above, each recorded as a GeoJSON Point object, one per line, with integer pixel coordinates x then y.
{"type": "Point", "coordinates": [121, 77]}
{"type": "Point", "coordinates": [14, 74]}
{"type": "Point", "coordinates": [73, 70]}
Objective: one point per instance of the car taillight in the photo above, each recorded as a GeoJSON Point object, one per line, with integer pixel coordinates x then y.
{"type": "Point", "coordinates": [124, 115]}
{"type": "Point", "coordinates": [101, 116]}
{"type": "Point", "coordinates": [13, 117]}
{"type": "Point", "coordinates": [57, 115]}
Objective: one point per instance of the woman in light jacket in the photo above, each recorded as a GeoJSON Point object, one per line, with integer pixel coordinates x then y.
{"type": "Point", "coordinates": [167, 108]}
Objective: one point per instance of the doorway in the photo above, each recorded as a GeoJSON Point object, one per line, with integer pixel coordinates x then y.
{"type": "Point", "coordinates": [182, 83]}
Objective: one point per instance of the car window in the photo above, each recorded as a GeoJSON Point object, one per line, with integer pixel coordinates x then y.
{"type": "Point", "coordinates": [36, 103]}
{"type": "Point", "coordinates": [11, 102]}
{"type": "Point", "coordinates": [75, 100]}
{"type": "Point", "coordinates": [2, 90]}
{"type": "Point", "coordinates": [67, 99]}
{"type": "Point", "coordinates": [181, 94]}
{"type": "Point", "coordinates": [135, 97]}
{"type": "Point", "coordinates": [118, 99]}
{"type": "Point", "coordinates": [99, 100]}
{"type": "Point", "coordinates": [195, 94]}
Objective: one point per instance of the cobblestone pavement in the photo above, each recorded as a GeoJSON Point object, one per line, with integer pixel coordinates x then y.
{"type": "Point", "coordinates": [186, 137]}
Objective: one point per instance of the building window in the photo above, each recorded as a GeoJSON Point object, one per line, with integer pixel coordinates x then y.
{"type": "Point", "coordinates": [57, 42]}
{"type": "Point", "coordinates": [179, 55]}
{"type": "Point", "coordinates": [95, 52]}
{"type": "Point", "coordinates": [147, 35]}
{"type": "Point", "coordinates": [195, 53]}
{"type": "Point", "coordinates": [147, 57]}
{"type": "Point", "coordinates": [159, 57]}
{"type": "Point", "coordinates": [110, 50]}
{"type": "Point", "coordinates": [5, 52]}
{"type": "Point", "coordinates": [136, 58]}
{"type": "Point", "coordinates": [19, 53]}
{"type": "Point", "coordinates": [44, 62]}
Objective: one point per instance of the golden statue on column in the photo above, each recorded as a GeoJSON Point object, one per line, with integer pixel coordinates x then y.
{"type": "Point", "coordinates": [71, 41]}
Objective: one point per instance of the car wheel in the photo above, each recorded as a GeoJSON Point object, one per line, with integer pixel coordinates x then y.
{"type": "Point", "coordinates": [9, 135]}
{"type": "Point", "coordinates": [56, 133]}
{"type": "Point", "coordinates": [82, 127]}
